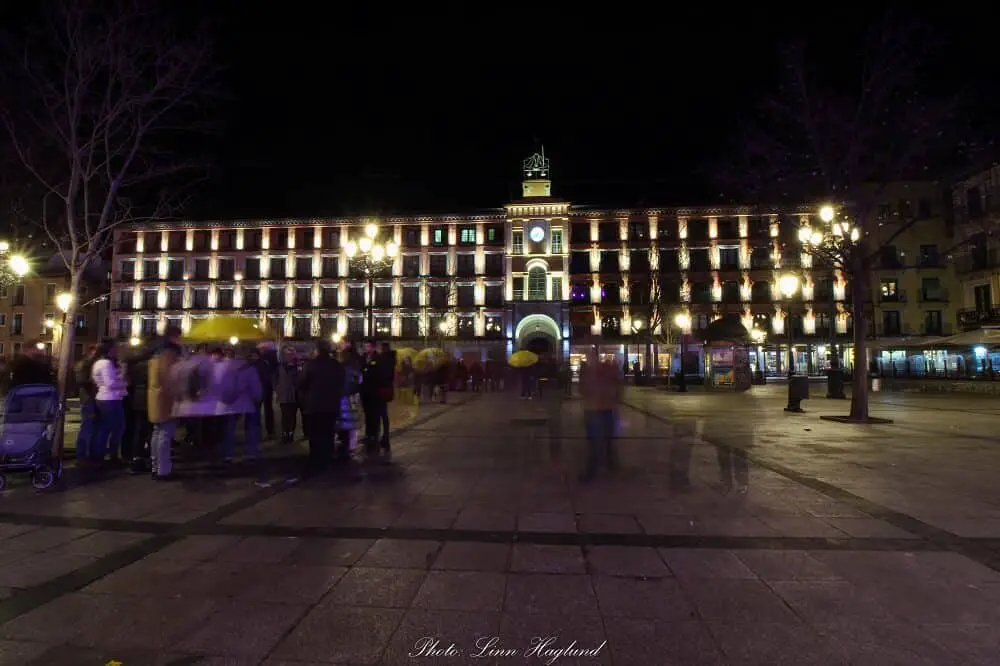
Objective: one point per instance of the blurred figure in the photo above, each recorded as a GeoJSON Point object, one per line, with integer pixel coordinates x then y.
{"type": "Point", "coordinates": [733, 469]}
{"type": "Point", "coordinates": [376, 393]}
{"type": "Point", "coordinates": [240, 394]}
{"type": "Point", "coordinates": [160, 401]}
{"type": "Point", "coordinates": [476, 374]}
{"type": "Point", "coordinates": [265, 360]}
{"type": "Point", "coordinates": [351, 416]}
{"type": "Point", "coordinates": [136, 442]}
{"type": "Point", "coordinates": [197, 397]}
{"type": "Point", "coordinates": [601, 390]}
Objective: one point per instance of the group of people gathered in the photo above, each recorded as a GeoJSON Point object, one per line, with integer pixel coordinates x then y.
{"type": "Point", "coordinates": [131, 407]}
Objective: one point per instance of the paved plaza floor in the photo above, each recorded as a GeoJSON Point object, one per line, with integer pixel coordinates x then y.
{"type": "Point", "coordinates": [872, 545]}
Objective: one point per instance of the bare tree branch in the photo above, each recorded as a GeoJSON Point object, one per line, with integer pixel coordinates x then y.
{"type": "Point", "coordinates": [99, 90]}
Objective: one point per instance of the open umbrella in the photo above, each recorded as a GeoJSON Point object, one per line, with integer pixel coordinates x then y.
{"type": "Point", "coordinates": [220, 329]}
{"type": "Point", "coordinates": [431, 358]}
{"type": "Point", "coordinates": [523, 359]}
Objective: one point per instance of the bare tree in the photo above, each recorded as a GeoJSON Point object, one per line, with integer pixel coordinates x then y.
{"type": "Point", "coordinates": [817, 140]}
{"type": "Point", "coordinates": [101, 94]}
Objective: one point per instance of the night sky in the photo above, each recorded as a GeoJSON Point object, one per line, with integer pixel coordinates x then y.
{"type": "Point", "coordinates": [332, 113]}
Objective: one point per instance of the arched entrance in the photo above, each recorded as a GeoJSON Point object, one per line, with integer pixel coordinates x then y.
{"type": "Point", "coordinates": [538, 333]}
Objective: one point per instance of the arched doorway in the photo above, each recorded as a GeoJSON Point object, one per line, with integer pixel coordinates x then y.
{"type": "Point", "coordinates": [538, 333]}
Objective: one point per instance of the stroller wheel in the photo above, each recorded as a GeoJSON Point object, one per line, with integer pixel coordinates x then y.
{"type": "Point", "coordinates": [43, 477]}
{"type": "Point", "coordinates": [3, 481]}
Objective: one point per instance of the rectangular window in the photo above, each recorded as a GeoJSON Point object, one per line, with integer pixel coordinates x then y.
{"type": "Point", "coordinates": [18, 326]}
{"type": "Point", "coordinates": [438, 236]}
{"type": "Point", "coordinates": [557, 289]}
{"type": "Point", "coordinates": [467, 236]}
{"type": "Point", "coordinates": [557, 241]}
{"type": "Point", "coordinates": [517, 240]}
{"type": "Point", "coordinates": [491, 235]}
{"type": "Point", "coordinates": [124, 328]}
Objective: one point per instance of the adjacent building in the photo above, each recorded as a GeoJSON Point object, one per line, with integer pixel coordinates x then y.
{"type": "Point", "coordinates": [539, 273]}
{"type": "Point", "coordinates": [976, 202]}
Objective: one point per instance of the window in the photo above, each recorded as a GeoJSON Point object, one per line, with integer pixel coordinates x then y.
{"type": "Point", "coordinates": [557, 241]}
{"type": "Point", "coordinates": [383, 296]}
{"type": "Point", "coordinates": [124, 328]}
{"type": "Point", "coordinates": [609, 261]}
{"type": "Point", "coordinates": [579, 232]}
{"type": "Point", "coordinates": [930, 289]}
{"type": "Point", "coordinates": [227, 240]}
{"type": "Point", "coordinates": [303, 297]}
{"type": "Point", "coordinates": [579, 262]}
{"type": "Point", "coordinates": [929, 256]}
{"type": "Point", "coordinates": [933, 323]}
{"type": "Point", "coordinates": [253, 239]}
{"type": "Point", "coordinates": [227, 269]}
{"type": "Point", "coordinates": [150, 269]}
{"type": "Point", "coordinates": [411, 265]}
{"type": "Point", "coordinates": [308, 238]}
{"type": "Point", "coordinates": [466, 296]}
{"type": "Point", "coordinates": [439, 265]}
{"type": "Point", "coordinates": [493, 235]}
{"type": "Point", "coordinates": [149, 298]}
{"type": "Point", "coordinates": [303, 268]}
{"type": "Point", "coordinates": [557, 289]}
{"type": "Point", "coordinates": [889, 290]}
{"type": "Point", "coordinates": [411, 297]}
{"type": "Point", "coordinates": [494, 326]}
{"type": "Point", "coordinates": [276, 297]}
{"type": "Point", "coordinates": [355, 326]}
{"type": "Point", "coordinates": [50, 294]}
{"type": "Point", "coordinates": [890, 322]}
{"type": "Point", "coordinates": [607, 232]}
{"type": "Point", "coordinates": [467, 236]}
{"type": "Point", "coordinates": [200, 298]}
{"type": "Point", "coordinates": [279, 239]}
{"type": "Point", "coordinates": [175, 270]}
{"type": "Point", "coordinates": [439, 295]}
{"type": "Point", "coordinates": [331, 238]}
{"type": "Point", "coordinates": [175, 299]}
{"type": "Point", "coordinates": [438, 237]}
{"type": "Point", "coordinates": [201, 269]}
{"type": "Point", "coordinates": [729, 258]}
{"type": "Point", "coordinates": [125, 299]}
{"type": "Point", "coordinates": [19, 295]}
{"type": "Point", "coordinates": [536, 284]}
{"type": "Point", "coordinates": [224, 299]}
{"type": "Point", "coordinates": [494, 295]}
{"type": "Point", "coordinates": [466, 327]}
{"type": "Point", "coordinates": [494, 265]}
{"type": "Point", "coordinates": [251, 297]}
{"type": "Point", "coordinates": [889, 257]}
{"type": "Point", "coordinates": [18, 326]}
{"type": "Point", "coordinates": [331, 266]}
{"type": "Point", "coordinates": [466, 265]}
{"type": "Point", "coordinates": [411, 236]}
{"type": "Point", "coordinates": [411, 327]}
{"type": "Point", "coordinates": [638, 230]}
{"type": "Point", "coordinates": [517, 241]}
{"type": "Point", "coordinates": [329, 297]}
{"type": "Point", "coordinates": [518, 289]}
{"type": "Point", "coordinates": [301, 327]}
{"type": "Point", "coordinates": [278, 268]}
{"type": "Point", "coordinates": [3, 320]}
{"type": "Point", "coordinates": [355, 297]}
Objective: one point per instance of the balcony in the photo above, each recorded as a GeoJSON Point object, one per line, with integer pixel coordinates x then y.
{"type": "Point", "coordinates": [969, 319]}
{"type": "Point", "coordinates": [897, 297]}
{"type": "Point", "coordinates": [934, 296]}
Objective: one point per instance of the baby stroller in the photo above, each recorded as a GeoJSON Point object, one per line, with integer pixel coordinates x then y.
{"type": "Point", "coordinates": [26, 433]}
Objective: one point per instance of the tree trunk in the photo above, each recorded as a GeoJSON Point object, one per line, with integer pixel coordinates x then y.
{"type": "Point", "coordinates": [859, 294]}
{"type": "Point", "coordinates": [67, 338]}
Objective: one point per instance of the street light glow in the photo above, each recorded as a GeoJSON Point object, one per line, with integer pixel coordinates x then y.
{"type": "Point", "coordinates": [336, 338]}
{"type": "Point", "coordinates": [135, 342]}
{"type": "Point", "coordinates": [788, 284]}
{"type": "Point", "coordinates": [391, 249]}
{"type": "Point", "coordinates": [365, 244]}
{"type": "Point", "coordinates": [757, 335]}
{"type": "Point", "coordinates": [4, 246]}
{"type": "Point", "coordinates": [371, 231]}
{"type": "Point", "coordinates": [234, 341]}
{"type": "Point", "coordinates": [64, 300]}
{"type": "Point", "coordinates": [826, 213]}
{"type": "Point", "coordinates": [804, 234]}
{"type": "Point", "coordinates": [19, 264]}
{"type": "Point", "coordinates": [683, 320]}
{"type": "Point", "coordinates": [351, 248]}
{"type": "Point", "coordinates": [378, 253]}
{"type": "Point", "coordinates": [443, 327]}
{"type": "Point", "coordinates": [816, 238]}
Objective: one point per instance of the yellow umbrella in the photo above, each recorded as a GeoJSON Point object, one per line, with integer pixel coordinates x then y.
{"type": "Point", "coordinates": [404, 353]}
{"type": "Point", "coordinates": [220, 329]}
{"type": "Point", "coordinates": [523, 359]}
{"type": "Point", "coordinates": [430, 358]}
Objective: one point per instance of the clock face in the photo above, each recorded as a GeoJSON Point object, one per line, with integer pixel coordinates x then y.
{"type": "Point", "coordinates": [537, 234]}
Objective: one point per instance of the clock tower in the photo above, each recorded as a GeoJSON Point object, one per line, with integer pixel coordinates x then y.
{"type": "Point", "coordinates": [537, 263]}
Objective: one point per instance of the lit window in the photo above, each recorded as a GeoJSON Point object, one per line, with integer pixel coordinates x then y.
{"type": "Point", "coordinates": [517, 239]}
{"type": "Point", "coordinates": [439, 236]}
{"type": "Point", "coordinates": [468, 237]}
{"type": "Point", "coordinates": [557, 244]}
{"type": "Point", "coordinates": [491, 235]}
{"type": "Point", "coordinates": [536, 284]}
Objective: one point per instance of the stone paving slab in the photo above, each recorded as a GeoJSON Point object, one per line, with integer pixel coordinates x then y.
{"type": "Point", "coordinates": [480, 540]}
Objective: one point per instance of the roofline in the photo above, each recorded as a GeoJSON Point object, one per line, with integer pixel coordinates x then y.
{"type": "Point", "coordinates": [497, 215]}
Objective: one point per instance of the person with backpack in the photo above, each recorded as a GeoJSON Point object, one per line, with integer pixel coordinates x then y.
{"type": "Point", "coordinates": [240, 394]}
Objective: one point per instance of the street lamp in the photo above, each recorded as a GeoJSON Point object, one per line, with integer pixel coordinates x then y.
{"type": "Point", "coordinates": [370, 258]}
{"type": "Point", "coordinates": [683, 321]}
{"type": "Point", "coordinates": [637, 325]}
{"type": "Point", "coordinates": [788, 284]}
{"type": "Point", "coordinates": [19, 265]}
{"type": "Point", "coordinates": [831, 245]}
{"type": "Point", "coordinates": [758, 336]}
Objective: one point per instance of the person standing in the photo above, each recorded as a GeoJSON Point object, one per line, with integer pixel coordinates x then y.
{"type": "Point", "coordinates": [351, 416]}
{"type": "Point", "coordinates": [111, 391]}
{"type": "Point", "coordinates": [87, 393]}
{"type": "Point", "coordinates": [160, 401]}
{"type": "Point", "coordinates": [286, 391]}
{"type": "Point", "coordinates": [267, 366]}
{"type": "Point", "coordinates": [321, 386]}
{"type": "Point", "coordinates": [601, 390]}
{"type": "Point", "coordinates": [374, 389]}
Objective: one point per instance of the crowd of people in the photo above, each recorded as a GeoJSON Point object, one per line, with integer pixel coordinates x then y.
{"type": "Point", "coordinates": [133, 408]}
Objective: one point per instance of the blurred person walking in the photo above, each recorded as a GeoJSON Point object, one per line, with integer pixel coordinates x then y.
{"type": "Point", "coordinates": [601, 390]}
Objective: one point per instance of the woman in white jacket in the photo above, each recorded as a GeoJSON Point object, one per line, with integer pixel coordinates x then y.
{"type": "Point", "coordinates": [111, 390]}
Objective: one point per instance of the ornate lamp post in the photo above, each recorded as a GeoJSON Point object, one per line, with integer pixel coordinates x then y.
{"type": "Point", "coordinates": [758, 336]}
{"type": "Point", "coordinates": [371, 259]}
{"type": "Point", "coordinates": [831, 246]}
{"type": "Point", "coordinates": [683, 322]}
{"type": "Point", "coordinates": [788, 284]}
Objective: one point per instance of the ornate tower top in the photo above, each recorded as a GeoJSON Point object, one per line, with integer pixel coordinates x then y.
{"type": "Point", "coordinates": [536, 181]}
{"type": "Point", "coordinates": [536, 166]}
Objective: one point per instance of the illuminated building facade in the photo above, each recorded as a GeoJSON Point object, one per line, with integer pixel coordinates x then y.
{"type": "Point", "coordinates": [540, 274]}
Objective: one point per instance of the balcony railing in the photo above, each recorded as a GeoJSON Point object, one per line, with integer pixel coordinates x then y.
{"type": "Point", "coordinates": [896, 297]}
{"type": "Point", "coordinates": [973, 318]}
